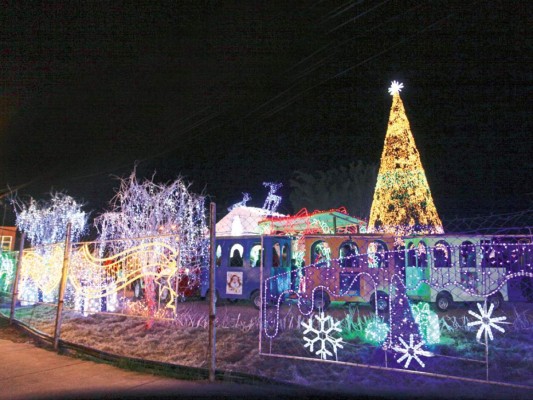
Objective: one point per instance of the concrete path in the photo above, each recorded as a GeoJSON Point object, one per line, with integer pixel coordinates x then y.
{"type": "Point", "coordinates": [30, 372]}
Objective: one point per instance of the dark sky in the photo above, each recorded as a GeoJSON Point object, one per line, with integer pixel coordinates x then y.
{"type": "Point", "coordinates": [231, 94]}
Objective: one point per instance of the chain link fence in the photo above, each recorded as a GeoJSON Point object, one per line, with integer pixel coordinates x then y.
{"type": "Point", "coordinates": [435, 306]}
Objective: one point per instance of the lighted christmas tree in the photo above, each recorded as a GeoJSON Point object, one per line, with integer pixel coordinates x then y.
{"type": "Point", "coordinates": [402, 201]}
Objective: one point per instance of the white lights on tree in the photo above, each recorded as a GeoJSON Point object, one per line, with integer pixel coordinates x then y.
{"type": "Point", "coordinates": [272, 200]}
{"type": "Point", "coordinates": [170, 218]}
{"type": "Point", "coordinates": [486, 322]}
{"type": "Point", "coordinates": [46, 222]}
{"type": "Point", "coordinates": [322, 335]}
{"type": "Point", "coordinates": [411, 351]}
{"type": "Point", "coordinates": [45, 225]}
{"type": "Point", "coordinates": [150, 209]}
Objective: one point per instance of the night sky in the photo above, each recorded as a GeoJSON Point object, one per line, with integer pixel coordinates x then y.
{"type": "Point", "coordinates": [231, 94]}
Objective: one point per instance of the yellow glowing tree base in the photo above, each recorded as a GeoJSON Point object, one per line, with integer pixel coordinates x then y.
{"type": "Point", "coordinates": [402, 201]}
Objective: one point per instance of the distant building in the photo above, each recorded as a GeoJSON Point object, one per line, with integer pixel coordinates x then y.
{"type": "Point", "coordinates": [7, 237]}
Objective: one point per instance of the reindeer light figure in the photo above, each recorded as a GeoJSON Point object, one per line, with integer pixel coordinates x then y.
{"type": "Point", "coordinates": [245, 198]}
{"type": "Point", "coordinates": [272, 200]}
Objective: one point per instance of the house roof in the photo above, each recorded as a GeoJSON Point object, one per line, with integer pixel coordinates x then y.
{"type": "Point", "coordinates": [329, 221]}
{"type": "Point", "coordinates": [243, 221]}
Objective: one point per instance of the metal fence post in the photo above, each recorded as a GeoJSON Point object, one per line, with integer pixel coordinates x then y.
{"type": "Point", "coordinates": [14, 296]}
{"type": "Point", "coordinates": [62, 286]}
{"type": "Point", "coordinates": [212, 292]}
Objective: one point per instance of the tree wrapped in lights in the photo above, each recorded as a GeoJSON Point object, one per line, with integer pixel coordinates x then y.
{"type": "Point", "coordinates": [46, 222]}
{"type": "Point", "coordinates": [169, 218]}
{"type": "Point", "coordinates": [45, 225]}
{"type": "Point", "coordinates": [402, 201]}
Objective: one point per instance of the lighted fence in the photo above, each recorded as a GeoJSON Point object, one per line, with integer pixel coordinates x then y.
{"type": "Point", "coordinates": [38, 286]}
{"type": "Point", "coordinates": [455, 309]}
{"type": "Point", "coordinates": [108, 277]}
{"type": "Point", "coordinates": [125, 297]}
{"type": "Point", "coordinates": [8, 263]}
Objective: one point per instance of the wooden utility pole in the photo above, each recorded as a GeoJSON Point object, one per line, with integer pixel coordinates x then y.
{"type": "Point", "coordinates": [212, 292]}
{"type": "Point", "coordinates": [62, 286]}
{"type": "Point", "coordinates": [261, 294]}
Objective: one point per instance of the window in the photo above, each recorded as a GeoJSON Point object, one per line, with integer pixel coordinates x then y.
{"type": "Point", "coordinates": [285, 259]}
{"type": "Point", "coordinates": [491, 254]}
{"type": "Point", "coordinates": [525, 252]}
{"type": "Point", "coordinates": [255, 255]}
{"type": "Point", "coordinates": [422, 255]}
{"type": "Point", "coordinates": [441, 254]}
{"type": "Point", "coordinates": [417, 255]}
{"type": "Point", "coordinates": [411, 255]}
{"type": "Point", "coordinates": [320, 253]}
{"type": "Point", "coordinates": [468, 255]}
{"type": "Point", "coordinates": [236, 253]}
{"type": "Point", "coordinates": [376, 254]}
{"type": "Point", "coordinates": [348, 255]}
{"type": "Point", "coordinates": [509, 249]}
{"type": "Point", "coordinates": [399, 254]}
{"type": "Point", "coordinates": [6, 243]}
{"type": "Point", "coordinates": [275, 255]}
{"type": "Point", "coordinates": [218, 255]}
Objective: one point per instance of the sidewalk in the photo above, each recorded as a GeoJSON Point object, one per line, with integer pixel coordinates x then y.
{"type": "Point", "coordinates": [27, 371]}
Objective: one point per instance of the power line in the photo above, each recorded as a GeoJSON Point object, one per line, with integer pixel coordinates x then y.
{"type": "Point", "coordinates": [359, 16]}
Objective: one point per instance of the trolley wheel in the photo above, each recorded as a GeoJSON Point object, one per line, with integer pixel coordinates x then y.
{"type": "Point", "coordinates": [321, 300]}
{"type": "Point", "coordinates": [496, 299]}
{"type": "Point", "coordinates": [382, 301]}
{"type": "Point", "coordinates": [255, 298]}
{"type": "Point", "coordinates": [444, 301]}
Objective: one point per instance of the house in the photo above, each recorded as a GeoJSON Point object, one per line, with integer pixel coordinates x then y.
{"type": "Point", "coordinates": [7, 237]}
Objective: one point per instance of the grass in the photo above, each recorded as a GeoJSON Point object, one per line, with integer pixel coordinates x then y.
{"type": "Point", "coordinates": [183, 341]}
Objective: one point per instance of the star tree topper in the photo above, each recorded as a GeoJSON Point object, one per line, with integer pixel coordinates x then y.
{"type": "Point", "coordinates": [395, 88]}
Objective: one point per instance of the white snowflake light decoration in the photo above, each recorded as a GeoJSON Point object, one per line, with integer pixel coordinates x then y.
{"type": "Point", "coordinates": [323, 335]}
{"type": "Point", "coordinates": [395, 88]}
{"type": "Point", "coordinates": [486, 322]}
{"type": "Point", "coordinates": [411, 351]}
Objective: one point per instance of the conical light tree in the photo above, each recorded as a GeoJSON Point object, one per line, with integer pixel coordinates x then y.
{"type": "Point", "coordinates": [402, 201]}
